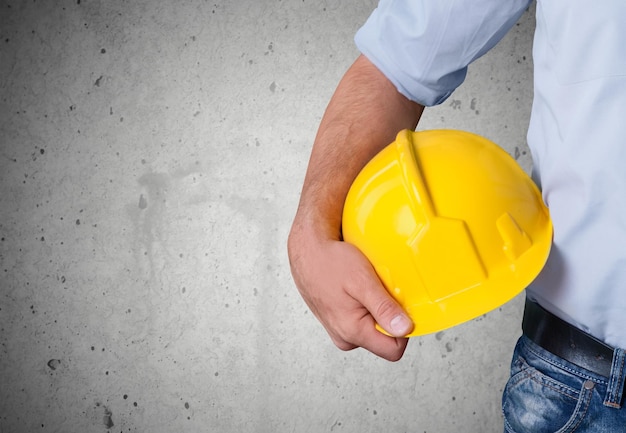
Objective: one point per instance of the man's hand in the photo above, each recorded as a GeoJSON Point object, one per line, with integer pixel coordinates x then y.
{"type": "Point", "coordinates": [341, 288]}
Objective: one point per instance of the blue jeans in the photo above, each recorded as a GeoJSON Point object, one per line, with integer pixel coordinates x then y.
{"type": "Point", "coordinates": [546, 394]}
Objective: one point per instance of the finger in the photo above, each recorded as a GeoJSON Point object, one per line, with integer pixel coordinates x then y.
{"type": "Point", "coordinates": [384, 346]}
{"type": "Point", "coordinates": [389, 348]}
{"type": "Point", "coordinates": [363, 333]}
{"type": "Point", "coordinates": [341, 343]}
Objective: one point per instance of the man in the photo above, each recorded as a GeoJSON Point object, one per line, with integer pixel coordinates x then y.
{"type": "Point", "coordinates": [568, 371]}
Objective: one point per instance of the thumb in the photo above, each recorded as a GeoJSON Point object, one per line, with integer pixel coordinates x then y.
{"type": "Point", "coordinates": [390, 316]}
{"type": "Point", "coordinates": [369, 290]}
{"type": "Point", "coordinates": [387, 313]}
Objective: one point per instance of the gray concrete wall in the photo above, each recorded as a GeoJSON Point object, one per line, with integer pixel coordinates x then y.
{"type": "Point", "coordinates": [151, 157]}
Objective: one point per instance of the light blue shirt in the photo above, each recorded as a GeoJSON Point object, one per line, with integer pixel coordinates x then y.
{"type": "Point", "coordinates": [577, 132]}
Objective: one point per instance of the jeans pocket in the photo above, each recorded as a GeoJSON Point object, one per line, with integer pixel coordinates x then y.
{"type": "Point", "coordinates": [535, 402]}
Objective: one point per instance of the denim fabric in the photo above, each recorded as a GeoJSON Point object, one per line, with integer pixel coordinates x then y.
{"type": "Point", "coordinates": [546, 394]}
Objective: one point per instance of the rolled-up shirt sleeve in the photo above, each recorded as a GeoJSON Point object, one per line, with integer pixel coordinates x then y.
{"type": "Point", "coordinates": [425, 46]}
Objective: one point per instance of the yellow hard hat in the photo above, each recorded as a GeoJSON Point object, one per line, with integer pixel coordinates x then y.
{"type": "Point", "coordinates": [451, 223]}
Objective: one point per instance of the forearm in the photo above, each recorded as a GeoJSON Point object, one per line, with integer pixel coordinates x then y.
{"type": "Point", "coordinates": [335, 279]}
{"type": "Point", "coordinates": [365, 114]}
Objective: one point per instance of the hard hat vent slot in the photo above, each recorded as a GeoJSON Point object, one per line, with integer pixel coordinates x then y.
{"type": "Point", "coordinates": [515, 240]}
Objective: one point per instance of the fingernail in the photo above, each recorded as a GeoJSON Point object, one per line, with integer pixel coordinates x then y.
{"type": "Point", "coordinates": [400, 325]}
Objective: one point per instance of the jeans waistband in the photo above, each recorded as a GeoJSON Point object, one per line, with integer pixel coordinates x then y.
{"type": "Point", "coordinates": [576, 346]}
{"type": "Point", "coordinates": [565, 340]}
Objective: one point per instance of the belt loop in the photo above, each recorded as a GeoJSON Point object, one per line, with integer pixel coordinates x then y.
{"type": "Point", "coordinates": [615, 389]}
